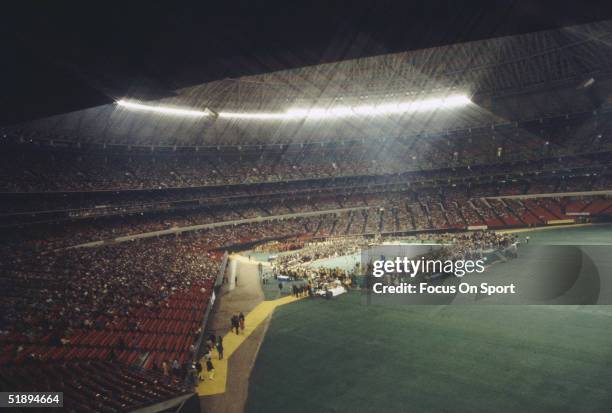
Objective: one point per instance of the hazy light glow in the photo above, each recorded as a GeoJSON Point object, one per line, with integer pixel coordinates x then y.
{"type": "Point", "coordinates": [448, 102]}
{"type": "Point", "coordinates": [253, 115]}
{"type": "Point", "coordinates": [162, 109]}
{"type": "Point", "coordinates": [335, 112]}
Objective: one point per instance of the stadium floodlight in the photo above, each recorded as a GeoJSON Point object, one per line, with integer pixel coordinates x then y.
{"type": "Point", "coordinates": [387, 108]}
{"type": "Point", "coordinates": [253, 115]}
{"type": "Point", "coordinates": [334, 112]}
{"type": "Point", "coordinates": [163, 109]}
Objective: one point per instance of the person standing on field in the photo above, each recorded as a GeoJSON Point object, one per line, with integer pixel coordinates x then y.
{"type": "Point", "coordinates": [235, 323]}
{"type": "Point", "coordinates": [241, 321]}
{"type": "Point", "coordinates": [220, 347]}
{"type": "Point", "coordinates": [211, 369]}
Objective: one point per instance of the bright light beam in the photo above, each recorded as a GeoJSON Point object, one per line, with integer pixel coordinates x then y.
{"type": "Point", "coordinates": [162, 109]}
{"type": "Point", "coordinates": [387, 108]}
{"type": "Point", "coordinates": [336, 112]}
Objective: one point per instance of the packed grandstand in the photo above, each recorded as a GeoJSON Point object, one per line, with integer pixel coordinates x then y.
{"type": "Point", "coordinates": [111, 251]}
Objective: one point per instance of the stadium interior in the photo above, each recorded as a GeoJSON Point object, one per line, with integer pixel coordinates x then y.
{"type": "Point", "coordinates": [134, 226]}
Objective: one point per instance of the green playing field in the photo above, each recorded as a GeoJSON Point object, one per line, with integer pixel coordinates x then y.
{"type": "Point", "coordinates": [587, 235]}
{"type": "Point", "coordinates": [343, 356]}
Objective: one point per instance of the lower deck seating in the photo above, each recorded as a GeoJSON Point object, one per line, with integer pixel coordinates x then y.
{"type": "Point", "coordinates": [93, 386]}
{"type": "Point", "coordinates": [145, 339]}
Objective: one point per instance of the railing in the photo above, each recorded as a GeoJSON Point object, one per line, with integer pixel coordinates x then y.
{"type": "Point", "coordinates": [552, 195]}
{"type": "Point", "coordinates": [191, 228]}
{"type": "Point", "coordinates": [222, 269]}
{"type": "Point", "coordinates": [211, 302]}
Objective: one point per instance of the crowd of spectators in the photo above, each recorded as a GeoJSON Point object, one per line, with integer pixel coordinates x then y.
{"type": "Point", "coordinates": [355, 215]}
{"type": "Point", "coordinates": [50, 294]}
{"type": "Point", "coordinates": [57, 291]}
{"type": "Point", "coordinates": [52, 198]}
{"type": "Point", "coordinates": [16, 178]}
{"type": "Point", "coordinates": [88, 312]}
{"type": "Point", "coordinates": [316, 250]}
{"type": "Point", "coordinates": [298, 265]}
{"type": "Point", "coordinates": [26, 168]}
{"type": "Point", "coordinates": [469, 245]}
{"type": "Point", "coordinates": [131, 302]}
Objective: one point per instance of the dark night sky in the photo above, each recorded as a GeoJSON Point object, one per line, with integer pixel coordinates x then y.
{"type": "Point", "coordinates": [64, 56]}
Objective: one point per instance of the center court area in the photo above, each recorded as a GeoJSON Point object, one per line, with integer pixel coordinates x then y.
{"type": "Point", "coordinates": [343, 355]}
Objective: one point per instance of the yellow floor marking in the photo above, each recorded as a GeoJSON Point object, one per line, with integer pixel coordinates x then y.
{"type": "Point", "coordinates": [232, 341]}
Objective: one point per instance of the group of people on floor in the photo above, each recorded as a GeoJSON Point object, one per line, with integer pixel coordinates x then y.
{"type": "Point", "coordinates": [237, 323]}
{"type": "Point", "coordinates": [197, 369]}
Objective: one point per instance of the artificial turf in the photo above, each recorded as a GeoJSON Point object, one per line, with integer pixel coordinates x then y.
{"type": "Point", "coordinates": [587, 235]}
{"type": "Point", "coordinates": [343, 356]}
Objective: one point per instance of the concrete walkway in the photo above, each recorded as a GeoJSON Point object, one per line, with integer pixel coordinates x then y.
{"type": "Point", "coordinates": [228, 391]}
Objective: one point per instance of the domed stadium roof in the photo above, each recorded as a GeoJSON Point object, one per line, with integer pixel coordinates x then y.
{"type": "Point", "coordinates": [508, 79]}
